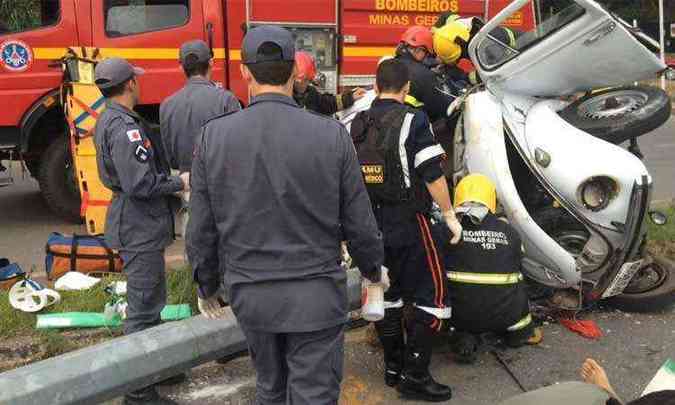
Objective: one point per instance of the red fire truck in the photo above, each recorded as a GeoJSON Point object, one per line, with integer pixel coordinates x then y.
{"type": "Point", "coordinates": [347, 37]}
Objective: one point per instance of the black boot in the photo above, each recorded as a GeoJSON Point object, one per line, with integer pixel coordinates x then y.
{"type": "Point", "coordinates": [416, 382]}
{"type": "Point", "coordinates": [390, 332]}
{"type": "Point", "coordinates": [146, 396]}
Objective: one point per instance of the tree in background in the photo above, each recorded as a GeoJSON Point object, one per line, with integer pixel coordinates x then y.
{"type": "Point", "coordinates": [19, 15]}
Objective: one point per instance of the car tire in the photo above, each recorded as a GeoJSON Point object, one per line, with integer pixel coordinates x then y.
{"type": "Point", "coordinates": [660, 297]}
{"type": "Point", "coordinates": [620, 114]}
{"type": "Point", "coordinates": [57, 182]}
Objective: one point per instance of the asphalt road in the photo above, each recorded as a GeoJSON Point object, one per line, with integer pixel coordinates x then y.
{"type": "Point", "coordinates": [633, 348]}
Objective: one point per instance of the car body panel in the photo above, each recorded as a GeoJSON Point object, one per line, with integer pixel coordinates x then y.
{"type": "Point", "coordinates": [592, 50]}
{"type": "Point", "coordinates": [485, 152]}
{"type": "Point", "coordinates": [576, 157]}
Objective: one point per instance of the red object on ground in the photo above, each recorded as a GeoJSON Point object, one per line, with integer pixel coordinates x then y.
{"type": "Point", "coordinates": [587, 329]}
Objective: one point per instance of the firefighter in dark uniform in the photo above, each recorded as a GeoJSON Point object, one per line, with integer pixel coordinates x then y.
{"type": "Point", "coordinates": [448, 41]}
{"type": "Point", "coordinates": [271, 209]}
{"type": "Point", "coordinates": [182, 115]}
{"type": "Point", "coordinates": [462, 32]}
{"type": "Point", "coordinates": [426, 90]}
{"type": "Point", "coordinates": [309, 97]}
{"type": "Point", "coordinates": [486, 285]}
{"type": "Point", "coordinates": [139, 222]}
{"type": "Point", "coordinates": [401, 164]}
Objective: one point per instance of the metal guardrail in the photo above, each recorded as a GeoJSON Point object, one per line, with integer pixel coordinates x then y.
{"type": "Point", "coordinates": [112, 368]}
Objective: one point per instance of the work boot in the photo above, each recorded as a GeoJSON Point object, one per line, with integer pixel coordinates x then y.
{"type": "Point", "coordinates": [416, 381]}
{"type": "Point", "coordinates": [390, 333]}
{"type": "Point", "coordinates": [147, 396]}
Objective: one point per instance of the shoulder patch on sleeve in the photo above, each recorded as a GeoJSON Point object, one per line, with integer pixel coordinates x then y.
{"type": "Point", "coordinates": [134, 135]}
{"type": "Point", "coordinates": [141, 154]}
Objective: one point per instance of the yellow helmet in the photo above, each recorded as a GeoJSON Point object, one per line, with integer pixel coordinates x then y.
{"type": "Point", "coordinates": [476, 188]}
{"type": "Point", "coordinates": [446, 45]}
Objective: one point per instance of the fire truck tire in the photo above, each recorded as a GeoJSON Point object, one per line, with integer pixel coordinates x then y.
{"type": "Point", "coordinates": [619, 114]}
{"type": "Point", "coordinates": [57, 181]}
{"type": "Point", "coordinates": [651, 290]}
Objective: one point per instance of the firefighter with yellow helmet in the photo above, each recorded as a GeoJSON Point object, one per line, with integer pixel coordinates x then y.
{"type": "Point", "coordinates": [452, 36]}
{"type": "Point", "coordinates": [450, 42]}
{"type": "Point", "coordinates": [486, 286]}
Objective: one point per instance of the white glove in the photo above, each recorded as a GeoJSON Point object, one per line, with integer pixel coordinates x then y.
{"type": "Point", "coordinates": [185, 176]}
{"type": "Point", "coordinates": [210, 307]}
{"type": "Point", "coordinates": [454, 226]}
{"type": "Point", "coordinates": [384, 279]}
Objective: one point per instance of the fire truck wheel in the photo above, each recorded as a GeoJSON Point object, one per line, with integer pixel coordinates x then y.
{"type": "Point", "coordinates": [619, 114]}
{"type": "Point", "coordinates": [57, 181]}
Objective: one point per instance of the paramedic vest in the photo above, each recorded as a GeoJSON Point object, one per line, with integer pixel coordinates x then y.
{"type": "Point", "coordinates": [486, 285]}
{"type": "Point", "coordinates": [377, 143]}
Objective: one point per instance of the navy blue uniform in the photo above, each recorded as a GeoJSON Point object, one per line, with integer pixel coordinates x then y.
{"type": "Point", "coordinates": [269, 209]}
{"type": "Point", "coordinates": [426, 87]}
{"type": "Point", "coordinates": [182, 116]}
{"type": "Point", "coordinates": [139, 222]}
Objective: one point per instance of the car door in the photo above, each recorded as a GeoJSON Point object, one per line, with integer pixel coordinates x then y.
{"type": "Point", "coordinates": [575, 45]}
{"type": "Point", "coordinates": [149, 34]}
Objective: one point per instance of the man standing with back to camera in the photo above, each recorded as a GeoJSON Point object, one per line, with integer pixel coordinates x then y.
{"type": "Point", "coordinates": [271, 209]}
{"type": "Point", "coordinates": [182, 115]}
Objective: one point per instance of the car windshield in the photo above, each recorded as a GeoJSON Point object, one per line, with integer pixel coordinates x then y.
{"type": "Point", "coordinates": [505, 43]}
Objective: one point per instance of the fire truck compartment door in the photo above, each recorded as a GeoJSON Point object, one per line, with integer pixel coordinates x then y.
{"type": "Point", "coordinates": [575, 45]}
{"type": "Point", "coordinates": [149, 34]}
{"type": "Point", "coordinates": [321, 43]}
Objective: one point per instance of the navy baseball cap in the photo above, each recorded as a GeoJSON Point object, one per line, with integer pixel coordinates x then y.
{"type": "Point", "coordinates": [113, 71]}
{"type": "Point", "coordinates": [267, 34]}
{"type": "Point", "coordinates": [196, 50]}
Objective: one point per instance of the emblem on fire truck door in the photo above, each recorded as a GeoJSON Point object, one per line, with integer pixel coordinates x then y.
{"type": "Point", "coordinates": [15, 56]}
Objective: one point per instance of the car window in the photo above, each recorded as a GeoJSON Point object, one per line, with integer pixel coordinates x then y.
{"type": "Point", "coordinates": [504, 43]}
{"type": "Point", "coordinates": [129, 17]}
{"type": "Point", "coordinates": [27, 15]}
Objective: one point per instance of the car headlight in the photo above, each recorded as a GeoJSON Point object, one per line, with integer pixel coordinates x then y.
{"type": "Point", "coordinates": [596, 192]}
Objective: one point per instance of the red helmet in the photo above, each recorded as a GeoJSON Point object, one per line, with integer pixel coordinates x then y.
{"type": "Point", "coordinates": [305, 65]}
{"type": "Point", "coordinates": [419, 36]}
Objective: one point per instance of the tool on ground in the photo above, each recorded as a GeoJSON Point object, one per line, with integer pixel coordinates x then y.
{"type": "Point", "coordinates": [506, 367]}
{"type": "Point", "coordinates": [97, 320]}
{"type": "Point", "coordinates": [29, 296]}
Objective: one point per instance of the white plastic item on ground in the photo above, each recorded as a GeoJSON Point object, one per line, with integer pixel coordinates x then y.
{"type": "Point", "coordinates": [119, 287]}
{"type": "Point", "coordinates": [29, 296]}
{"type": "Point", "coordinates": [663, 380]}
{"type": "Point", "coordinates": [74, 281]}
